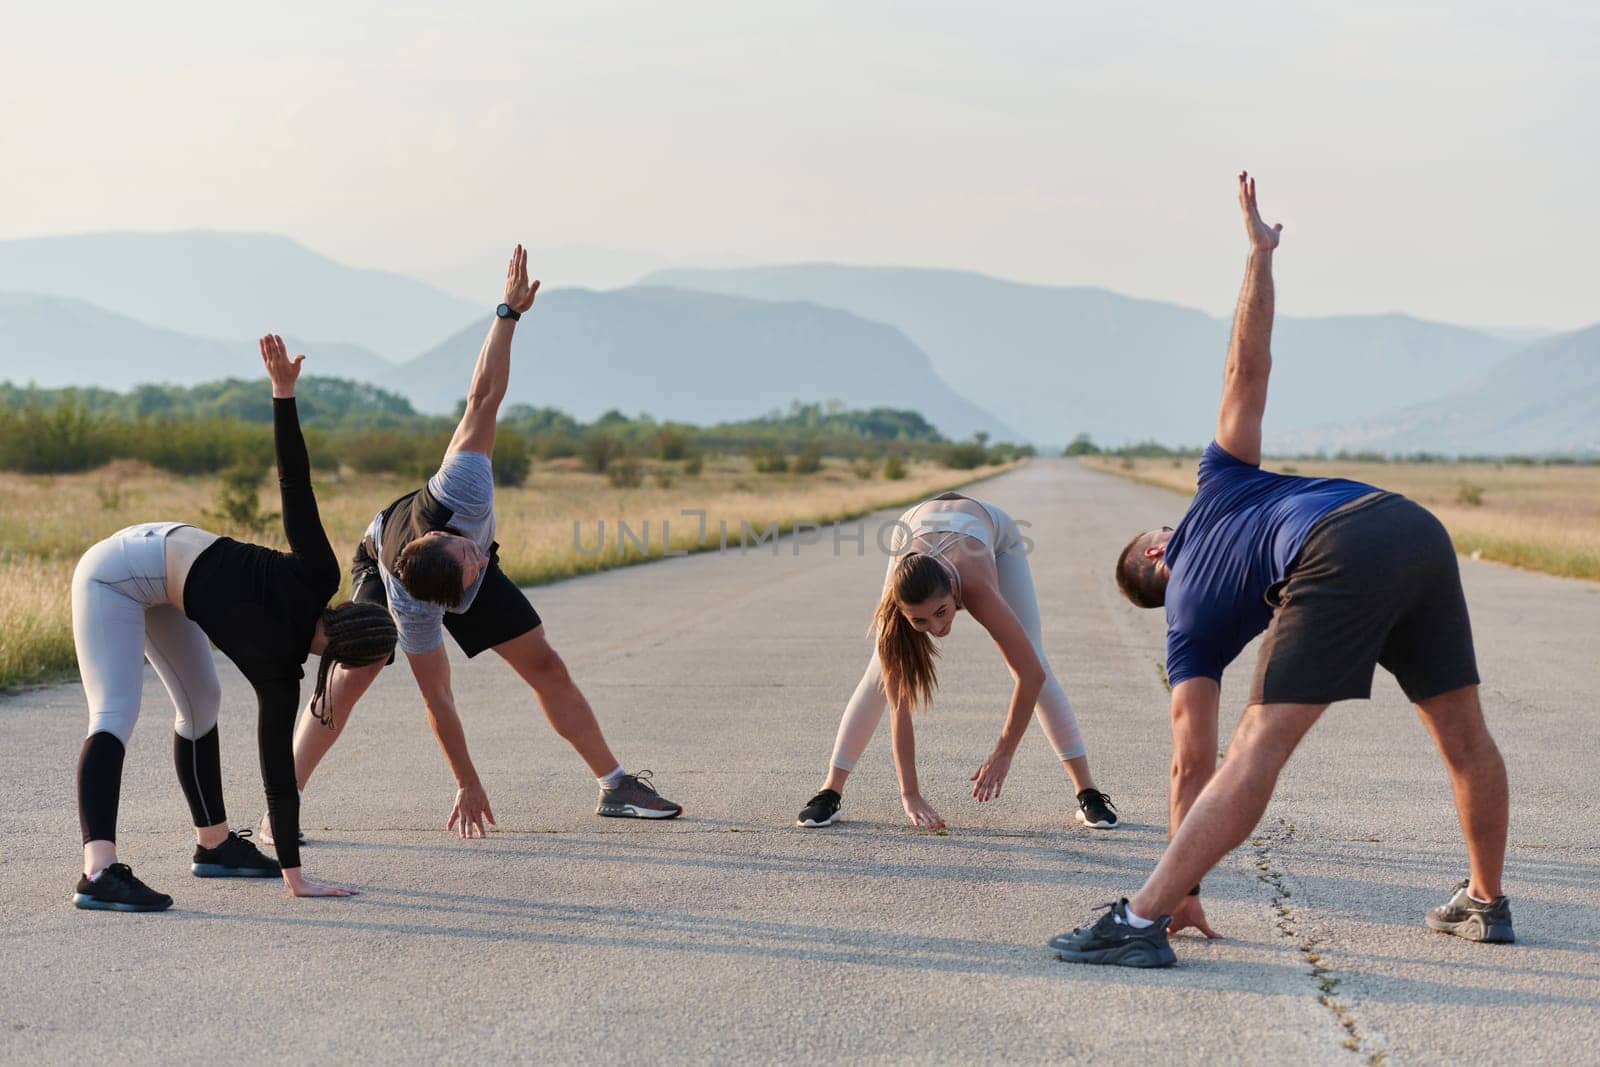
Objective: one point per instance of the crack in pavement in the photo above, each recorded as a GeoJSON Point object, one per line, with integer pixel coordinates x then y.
{"type": "Point", "coordinates": [1270, 872]}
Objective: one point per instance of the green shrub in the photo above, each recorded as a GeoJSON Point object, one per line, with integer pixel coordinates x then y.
{"type": "Point", "coordinates": [663, 477]}
{"type": "Point", "coordinates": [964, 455]}
{"type": "Point", "coordinates": [769, 459]}
{"type": "Point", "coordinates": [411, 454]}
{"type": "Point", "coordinates": [512, 459]}
{"type": "Point", "coordinates": [894, 468]}
{"type": "Point", "coordinates": [863, 468]}
{"type": "Point", "coordinates": [672, 443]}
{"type": "Point", "coordinates": [239, 500]}
{"type": "Point", "coordinates": [694, 465]}
{"type": "Point", "coordinates": [553, 445]}
{"type": "Point", "coordinates": [1469, 494]}
{"type": "Point", "coordinates": [809, 460]}
{"type": "Point", "coordinates": [68, 438]}
{"type": "Point", "coordinates": [1081, 445]}
{"type": "Point", "coordinates": [599, 449]}
{"type": "Point", "coordinates": [625, 472]}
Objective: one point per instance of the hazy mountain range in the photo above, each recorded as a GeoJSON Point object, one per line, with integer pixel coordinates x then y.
{"type": "Point", "coordinates": [1058, 361]}
{"type": "Point", "coordinates": [215, 284]}
{"type": "Point", "coordinates": [971, 352]}
{"type": "Point", "coordinates": [1545, 399]}
{"type": "Point", "coordinates": [702, 358]}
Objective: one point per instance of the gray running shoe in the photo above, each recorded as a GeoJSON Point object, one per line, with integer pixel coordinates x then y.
{"type": "Point", "coordinates": [1112, 941]}
{"type": "Point", "coordinates": [1465, 917]}
{"type": "Point", "coordinates": [635, 798]}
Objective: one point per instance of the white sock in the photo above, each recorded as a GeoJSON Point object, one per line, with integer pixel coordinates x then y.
{"type": "Point", "coordinates": [1135, 920]}
{"type": "Point", "coordinates": [610, 781]}
{"type": "Point", "coordinates": [1475, 900]}
{"type": "Point", "coordinates": [95, 877]}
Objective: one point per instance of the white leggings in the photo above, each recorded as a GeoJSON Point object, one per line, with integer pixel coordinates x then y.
{"type": "Point", "coordinates": [865, 709]}
{"type": "Point", "coordinates": [121, 615]}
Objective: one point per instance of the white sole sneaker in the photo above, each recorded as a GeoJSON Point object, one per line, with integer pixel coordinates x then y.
{"type": "Point", "coordinates": [632, 811]}
{"type": "Point", "coordinates": [812, 824]}
{"type": "Point", "coordinates": [1084, 819]}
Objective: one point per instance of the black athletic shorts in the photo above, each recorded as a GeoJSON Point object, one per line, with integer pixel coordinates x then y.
{"type": "Point", "coordinates": [1376, 582]}
{"type": "Point", "coordinates": [498, 613]}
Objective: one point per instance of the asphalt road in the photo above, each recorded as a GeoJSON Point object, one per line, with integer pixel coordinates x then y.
{"type": "Point", "coordinates": [729, 934]}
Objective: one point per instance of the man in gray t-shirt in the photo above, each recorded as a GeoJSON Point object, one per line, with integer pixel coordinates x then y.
{"type": "Point", "coordinates": [431, 557]}
{"type": "Point", "coordinates": [464, 484]}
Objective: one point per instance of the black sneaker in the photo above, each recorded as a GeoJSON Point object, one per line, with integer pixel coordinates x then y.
{"type": "Point", "coordinates": [1112, 941]}
{"type": "Point", "coordinates": [1096, 810]}
{"type": "Point", "coordinates": [820, 810]}
{"type": "Point", "coordinates": [234, 858]}
{"type": "Point", "coordinates": [635, 798]}
{"type": "Point", "coordinates": [1465, 917]}
{"type": "Point", "coordinates": [118, 890]}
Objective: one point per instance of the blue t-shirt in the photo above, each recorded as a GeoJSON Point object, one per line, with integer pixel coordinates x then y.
{"type": "Point", "coordinates": [1238, 537]}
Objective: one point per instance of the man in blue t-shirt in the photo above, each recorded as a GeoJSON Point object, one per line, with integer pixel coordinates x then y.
{"type": "Point", "coordinates": [1342, 577]}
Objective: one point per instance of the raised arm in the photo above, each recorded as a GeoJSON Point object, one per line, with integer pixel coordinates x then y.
{"type": "Point", "coordinates": [1244, 381]}
{"type": "Point", "coordinates": [302, 523]}
{"type": "Point", "coordinates": [492, 373]}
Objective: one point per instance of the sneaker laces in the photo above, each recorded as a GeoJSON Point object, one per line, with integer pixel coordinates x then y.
{"type": "Point", "coordinates": [1109, 907]}
{"type": "Point", "coordinates": [1092, 795]}
{"type": "Point", "coordinates": [642, 780]}
{"type": "Point", "coordinates": [820, 798]}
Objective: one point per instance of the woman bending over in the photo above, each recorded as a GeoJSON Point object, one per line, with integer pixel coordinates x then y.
{"type": "Point", "coordinates": [959, 553]}
{"type": "Point", "coordinates": [166, 591]}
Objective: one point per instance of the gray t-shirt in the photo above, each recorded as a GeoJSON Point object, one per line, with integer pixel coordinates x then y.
{"type": "Point", "coordinates": [465, 485]}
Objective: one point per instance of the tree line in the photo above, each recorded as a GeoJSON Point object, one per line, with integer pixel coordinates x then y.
{"type": "Point", "coordinates": [215, 426]}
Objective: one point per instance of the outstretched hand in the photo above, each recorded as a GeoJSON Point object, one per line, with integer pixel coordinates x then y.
{"type": "Point", "coordinates": [301, 886]}
{"type": "Point", "coordinates": [1191, 914]}
{"type": "Point", "coordinates": [1263, 238]}
{"type": "Point", "coordinates": [920, 812]}
{"type": "Point", "coordinates": [470, 812]}
{"type": "Point", "coordinates": [990, 775]}
{"type": "Point", "coordinates": [519, 293]}
{"type": "Point", "coordinates": [280, 368]}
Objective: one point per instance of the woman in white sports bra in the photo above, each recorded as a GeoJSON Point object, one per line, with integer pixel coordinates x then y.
{"type": "Point", "coordinates": [958, 553]}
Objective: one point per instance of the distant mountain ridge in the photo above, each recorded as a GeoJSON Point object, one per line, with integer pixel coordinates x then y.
{"type": "Point", "coordinates": [1544, 400]}
{"type": "Point", "coordinates": [972, 352]}
{"type": "Point", "coordinates": [218, 284]}
{"type": "Point", "coordinates": [1057, 361]}
{"type": "Point", "coordinates": [703, 358]}
{"type": "Point", "coordinates": [677, 355]}
{"type": "Point", "coordinates": [53, 341]}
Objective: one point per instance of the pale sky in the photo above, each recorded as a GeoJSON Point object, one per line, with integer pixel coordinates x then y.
{"type": "Point", "coordinates": [1439, 159]}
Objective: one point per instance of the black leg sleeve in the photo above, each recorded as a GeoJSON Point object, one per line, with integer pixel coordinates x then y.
{"type": "Point", "coordinates": [199, 765]}
{"type": "Point", "coordinates": [99, 786]}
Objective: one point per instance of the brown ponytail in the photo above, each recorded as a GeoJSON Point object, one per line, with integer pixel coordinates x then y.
{"type": "Point", "coordinates": [906, 653]}
{"type": "Point", "coordinates": [357, 635]}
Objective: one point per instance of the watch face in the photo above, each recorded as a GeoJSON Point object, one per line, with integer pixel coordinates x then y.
{"type": "Point", "coordinates": [504, 311]}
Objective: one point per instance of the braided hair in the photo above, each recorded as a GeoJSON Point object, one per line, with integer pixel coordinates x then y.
{"type": "Point", "coordinates": [357, 635]}
{"type": "Point", "coordinates": [906, 653]}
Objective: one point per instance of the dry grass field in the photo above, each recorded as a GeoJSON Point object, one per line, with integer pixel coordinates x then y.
{"type": "Point", "coordinates": [50, 520]}
{"type": "Point", "coordinates": [1543, 518]}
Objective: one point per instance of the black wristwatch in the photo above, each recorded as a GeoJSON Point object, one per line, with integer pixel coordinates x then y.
{"type": "Point", "coordinates": [506, 311]}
